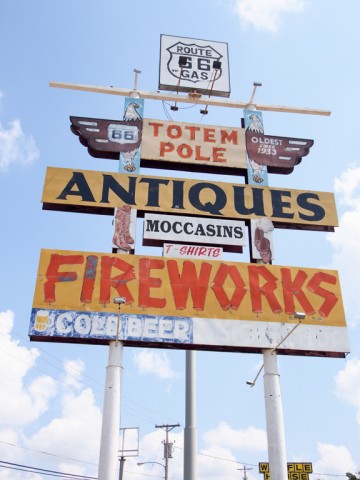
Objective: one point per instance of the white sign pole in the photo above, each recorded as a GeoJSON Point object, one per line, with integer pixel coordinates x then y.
{"type": "Point", "coordinates": [109, 446]}
{"type": "Point", "coordinates": [274, 417]}
{"type": "Point", "coordinates": [273, 404]}
{"type": "Point", "coordinates": [190, 444]}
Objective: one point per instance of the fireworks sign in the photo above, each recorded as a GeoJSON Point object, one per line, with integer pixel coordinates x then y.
{"type": "Point", "coordinates": [216, 305]}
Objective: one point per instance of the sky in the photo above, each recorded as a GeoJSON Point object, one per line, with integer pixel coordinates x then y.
{"type": "Point", "coordinates": [305, 55]}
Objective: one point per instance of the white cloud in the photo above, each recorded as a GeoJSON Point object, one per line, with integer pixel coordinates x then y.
{"type": "Point", "coordinates": [25, 404]}
{"type": "Point", "coordinates": [73, 372]}
{"type": "Point", "coordinates": [251, 438]}
{"type": "Point", "coordinates": [345, 240]}
{"type": "Point", "coordinates": [266, 14]}
{"type": "Point", "coordinates": [335, 459]}
{"type": "Point", "coordinates": [157, 363]}
{"type": "Point", "coordinates": [77, 428]}
{"type": "Point", "coordinates": [215, 461]}
{"type": "Point", "coordinates": [73, 434]}
{"type": "Point", "coordinates": [20, 403]}
{"type": "Point", "coordinates": [347, 185]}
{"type": "Point", "coordinates": [16, 147]}
{"type": "Point", "coordinates": [348, 384]}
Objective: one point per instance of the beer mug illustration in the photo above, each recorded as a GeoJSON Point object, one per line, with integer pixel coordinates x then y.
{"type": "Point", "coordinates": [41, 320]}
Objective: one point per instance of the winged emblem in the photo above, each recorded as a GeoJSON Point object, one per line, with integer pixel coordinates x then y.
{"type": "Point", "coordinates": [272, 151]}
{"type": "Point", "coordinates": [112, 139]}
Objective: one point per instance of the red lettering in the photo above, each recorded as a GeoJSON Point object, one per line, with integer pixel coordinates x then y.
{"type": "Point", "coordinates": [218, 154]}
{"type": "Point", "coordinates": [53, 275]}
{"type": "Point", "coordinates": [156, 127]}
{"type": "Point", "coordinates": [256, 291]}
{"type": "Point", "coordinates": [198, 155]}
{"type": "Point", "coordinates": [146, 282]}
{"type": "Point", "coordinates": [192, 130]}
{"type": "Point", "coordinates": [174, 131]}
{"type": "Point", "coordinates": [293, 288]}
{"type": "Point", "coordinates": [119, 282]}
{"type": "Point", "coordinates": [190, 250]}
{"type": "Point", "coordinates": [166, 147]}
{"type": "Point", "coordinates": [330, 299]}
{"type": "Point", "coordinates": [89, 279]}
{"type": "Point", "coordinates": [231, 136]}
{"type": "Point", "coordinates": [184, 151]}
{"type": "Point", "coordinates": [218, 287]}
{"type": "Point", "coordinates": [209, 135]}
{"type": "Point", "coordinates": [168, 247]}
{"type": "Point", "coordinates": [189, 280]}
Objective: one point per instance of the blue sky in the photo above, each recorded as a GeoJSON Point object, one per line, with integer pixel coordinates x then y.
{"type": "Point", "coordinates": [305, 53]}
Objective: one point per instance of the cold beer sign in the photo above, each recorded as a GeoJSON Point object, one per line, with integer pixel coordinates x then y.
{"type": "Point", "coordinates": [171, 301]}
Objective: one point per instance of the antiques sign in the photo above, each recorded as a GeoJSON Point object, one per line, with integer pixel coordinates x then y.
{"type": "Point", "coordinates": [100, 192]}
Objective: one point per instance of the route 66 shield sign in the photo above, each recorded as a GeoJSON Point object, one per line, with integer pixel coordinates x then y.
{"type": "Point", "coordinates": [189, 65]}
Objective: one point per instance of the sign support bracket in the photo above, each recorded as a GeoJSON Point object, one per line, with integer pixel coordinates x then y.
{"type": "Point", "coordinates": [193, 99]}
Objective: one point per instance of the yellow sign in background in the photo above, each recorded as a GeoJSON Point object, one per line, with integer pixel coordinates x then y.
{"type": "Point", "coordinates": [296, 471]}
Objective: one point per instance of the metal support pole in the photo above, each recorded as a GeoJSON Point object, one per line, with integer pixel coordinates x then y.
{"type": "Point", "coordinates": [111, 414]}
{"type": "Point", "coordinates": [121, 468]}
{"type": "Point", "coordinates": [274, 417]}
{"type": "Point", "coordinates": [190, 445]}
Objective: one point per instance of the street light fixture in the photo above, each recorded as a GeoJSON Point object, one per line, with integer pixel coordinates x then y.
{"type": "Point", "coordinates": [300, 316]}
{"type": "Point", "coordinates": [118, 301]}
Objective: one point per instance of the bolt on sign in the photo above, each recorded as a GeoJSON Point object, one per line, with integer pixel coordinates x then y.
{"type": "Point", "coordinates": [100, 192]}
{"type": "Point", "coordinates": [188, 65]}
{"type": "Point", "coordinates": [296, 471]}
{"type": "Point", "coordinates": [212, 305]}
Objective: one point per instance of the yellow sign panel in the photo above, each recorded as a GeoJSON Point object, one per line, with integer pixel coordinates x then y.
{"type": "Point", "coordinates": [191, 288]}
{"type": "Point", "coordinates": [208, 304]}
{"type": "Point", "coordinates": [296, 471]}
{"type": "Point", "coordinates": [193, 143]}
{"type": "Point", "coordinates": [85, 190]}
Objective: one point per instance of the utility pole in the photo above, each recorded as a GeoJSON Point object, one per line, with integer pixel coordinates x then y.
{"type": "Point", "coordinates": [167, 445]}
{"type": "Point", "coordinates": [245, 470]}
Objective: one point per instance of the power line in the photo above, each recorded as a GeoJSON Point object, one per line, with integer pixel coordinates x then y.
{"type": "Point", "coordinates": [44, 471]}
{"type": "Point", "coordinates": [48, 453]}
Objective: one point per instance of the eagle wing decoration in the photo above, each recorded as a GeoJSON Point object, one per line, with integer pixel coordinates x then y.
{"type": "Point", "coordinates": [274, 151]}
{"type": "Point", "coordinates": [108, 138]}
